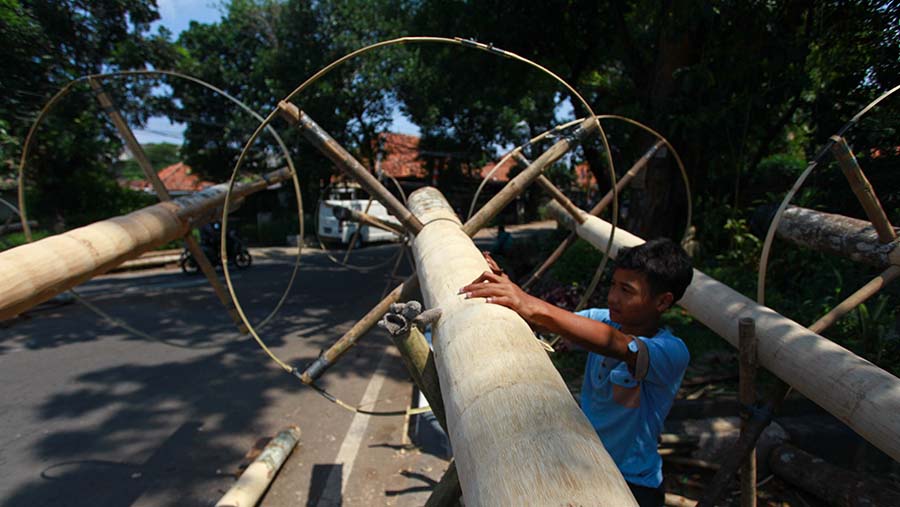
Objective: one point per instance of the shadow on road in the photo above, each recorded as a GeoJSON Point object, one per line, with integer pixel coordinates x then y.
{"type": "Point", "coordinates": [115, 419]}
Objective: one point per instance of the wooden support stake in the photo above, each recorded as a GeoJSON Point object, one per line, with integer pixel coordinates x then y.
{"type": "Point", "coordinates": [163, 195]}
{"type": "Point", "coordinates": [747, 396]}
{"type": "Point", "coordinates": [35, 272]}
{"type": "Point", "coordinates": [863, 189]}
{"type": "Point", "coordinates": [329, 147]}
{"type": "Point", "coordinates": [595, 211]}
{"type": "Point", "coordinates": [854, 390]}
{"type": "Point", "coordinates": [518, 436]}
{"type": "Point", "coordinates": [448, 491]}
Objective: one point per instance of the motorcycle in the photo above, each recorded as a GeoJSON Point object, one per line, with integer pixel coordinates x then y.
{"type": "Point", "coordinates": [238, 255]}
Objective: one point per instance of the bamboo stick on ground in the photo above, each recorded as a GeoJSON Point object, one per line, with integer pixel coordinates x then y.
{"type": "Point", "coordinates": [518, 436]}
{"type": "Point", "coordinates": [833, 485]}
{"type": "Point", "coordinates": [36, 272]}
{"type": "Point", "coordinates": [854, 390]}
{"type": "Point", "coordinates": [251, 485]}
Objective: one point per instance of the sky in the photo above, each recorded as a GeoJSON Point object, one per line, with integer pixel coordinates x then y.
{"type": "Point", "coordinates": [176, 15]}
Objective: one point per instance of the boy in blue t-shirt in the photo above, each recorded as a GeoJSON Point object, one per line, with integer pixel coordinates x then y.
{"type": "Point", "coordinates": [634, 368]}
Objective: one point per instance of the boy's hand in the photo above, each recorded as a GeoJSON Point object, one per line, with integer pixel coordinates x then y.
{"type": "Point", "coordinates": [496, 287]}
{"type": "Point", "coordinates": [495, 268]}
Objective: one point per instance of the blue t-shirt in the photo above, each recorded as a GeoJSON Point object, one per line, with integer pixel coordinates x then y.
{"type": "Point", "coordinates": [627, 414]}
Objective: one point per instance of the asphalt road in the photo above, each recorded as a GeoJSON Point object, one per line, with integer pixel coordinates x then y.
{"type": "Point", "coordinates": [92, 415]}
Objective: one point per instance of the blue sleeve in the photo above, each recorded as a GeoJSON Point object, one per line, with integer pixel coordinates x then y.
{"type": "Point", "coordinates": [669, 358]}
{"type": "Point", "coordinates": [598, 314]}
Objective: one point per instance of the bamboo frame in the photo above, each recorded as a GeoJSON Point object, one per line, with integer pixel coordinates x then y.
{"type": "Point", "coordinates": [635, 169]}
{"type": "Point", "coordinates": [550, 188]}
{"type": "Point", "coordinates": [37, 271]}
{"type": "Point", "coordinates": [521, 181]}
{"type": "Point", "coordinates": [329, 147]}
{"type": "Point", "coordinates": [137, 151]}
{"type": "Point", "coordinates": [837, 234]}
{"type": "Point", "coordinates": [752, 429]}
{"type": "Point", "coordinates": [854, 390]}
{"type": "Point", "coordinates": [862, 189]}
{"type": "Point", "coordinates": [478, 221]}
{"type": "Point", "coordinates": [343, 213]}
{"type": "Point", "coordinates": [518, 436]}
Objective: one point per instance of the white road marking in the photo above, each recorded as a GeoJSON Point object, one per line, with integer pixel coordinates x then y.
{"type": "Point", "coordinates": [334, 490]}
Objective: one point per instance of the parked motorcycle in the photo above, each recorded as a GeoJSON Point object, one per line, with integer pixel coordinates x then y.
{"type": "Point", "coordinates": [210, 235]}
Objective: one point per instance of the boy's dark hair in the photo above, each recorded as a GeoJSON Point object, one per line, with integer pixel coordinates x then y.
{"type": "Point", "coordinates": [666, 264]}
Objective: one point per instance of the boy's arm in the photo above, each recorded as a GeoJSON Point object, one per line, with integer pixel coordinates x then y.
{"type": "Point", "coordinates": [589, 334]}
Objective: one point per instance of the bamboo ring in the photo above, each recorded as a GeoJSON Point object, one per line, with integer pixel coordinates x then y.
{"type": "Point", "coordinates": [404, 40]}
{"type": "Point", "coordinates": [51, 103]}
{"type": "Point", "coordinates": [770, 233]}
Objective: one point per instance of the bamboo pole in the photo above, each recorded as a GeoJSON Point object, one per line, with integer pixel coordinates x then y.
{"type": "Point", "coordinates": [251, 485]}
{"type": "Point", "coordinates": [342, 213]}
{"type": "Point", "coordinates": [857, 298]}
{"type": "Point", "coordinates": [404, 291]}
{"type": "Point", "coordinates": [635, 169]}
{"type": "Point", "coordinates": [854, 390]}
{"type": "Point", "coordinates": [862, 189]}
{"type": "Point", "coordinates": [762, 417]}
{"type": "Point", "coordinates": [163, 195]}
{"type": "Point", "coordinates": [520, 182]}
{"type": "Point", "coordinates": [518, 436]}
{"type": "Point", "coordinates": [837, 234]}
{"type": "Point", "coordinates": [550, 188]}
{"type": "Point", "coordinates": [37, 271]}
{"type": "Point", "coordinates": [747, 396]}
{"type": "Point", "coordinates": [478, 221]}
{"type": "Point", "coordinates": [402, 323]}
{"type": "Point", "coordinates": [319, 138]}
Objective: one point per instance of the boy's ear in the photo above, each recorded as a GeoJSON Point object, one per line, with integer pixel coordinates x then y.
{"type": "Point", "coordinates": [664, 301]}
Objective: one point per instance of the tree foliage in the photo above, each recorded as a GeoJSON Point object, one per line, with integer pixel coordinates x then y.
{"type": "Point", "coordinates": [47, 44]}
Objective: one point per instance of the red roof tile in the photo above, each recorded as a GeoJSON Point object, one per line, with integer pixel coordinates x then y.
{"type": "Point", "coordinates": [176, 178]}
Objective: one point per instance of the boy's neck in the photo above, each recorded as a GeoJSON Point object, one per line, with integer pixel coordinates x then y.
{"type": "Point", "coordinates": [648, 330]}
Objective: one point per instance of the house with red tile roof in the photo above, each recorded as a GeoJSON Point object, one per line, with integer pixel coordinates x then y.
{"type": "Point", "coordinates": [178, 179]}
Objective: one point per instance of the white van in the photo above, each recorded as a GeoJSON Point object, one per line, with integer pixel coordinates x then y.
{"type": "Point", "coordinates": [350, 195]}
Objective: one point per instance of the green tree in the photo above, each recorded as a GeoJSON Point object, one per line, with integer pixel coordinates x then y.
{"type": "Point", "coordinates": [47, 44]}
{"type": "Point", "coordinates": [725, 81]}
{"type": "Point", "coordinates": [259, 52]}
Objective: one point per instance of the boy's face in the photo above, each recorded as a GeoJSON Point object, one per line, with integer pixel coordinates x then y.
{"type": "Point", "coordinates": [632, 303]}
